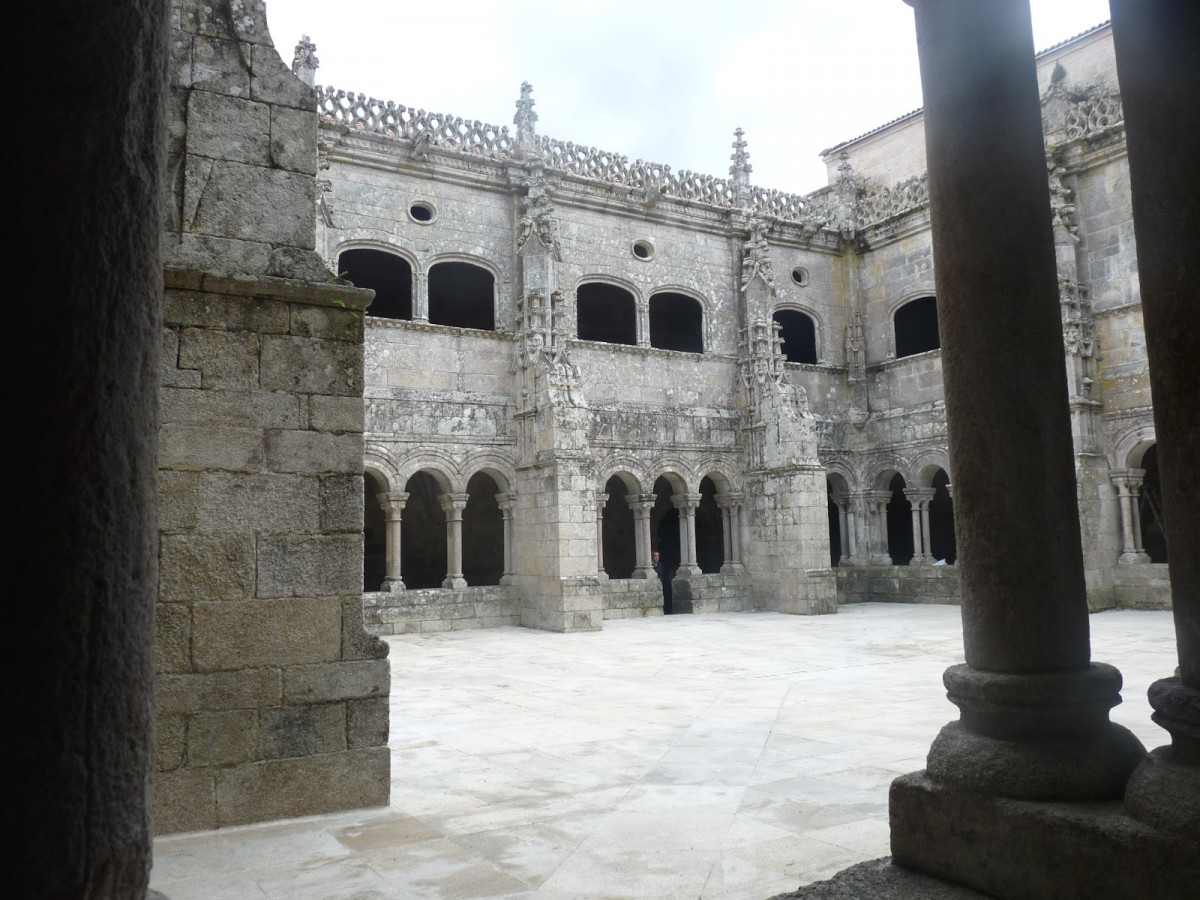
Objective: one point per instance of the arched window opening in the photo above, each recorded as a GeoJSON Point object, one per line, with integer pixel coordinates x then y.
{"type": "Point", "coordinates": [710, 540]}
{"type": "Point", "coordinates": [1150, 510]}
{"type": "Point", "coordinates": [482, 532]}
{"type": "Point", "coordinates": [664, 525]}
{"type": "Point", "coordinates": [799, 334]}
{"type": "Point", "coordinates": [941, 520]}
{"type": "Point", "coordinates": [387, 274]}
{"type": "Point", "coordinates": [620, 547]}
{"type": "Point", "coordinates": [374, 535]}
{"type": "Point", "coordinates": [423, 534]}
{"type": "Point", "coordinates": [899, 523]}
{"type": "Point", "coordinates": [835, 527]}
{"type": "Point", "coordinates": [917, 327]}
{"type": "Point", "coordinates": [676, 323]}
{"type": "Point", "coordinates": [605, 312]}
{"type": "Point", "coordinates": [462, 295]}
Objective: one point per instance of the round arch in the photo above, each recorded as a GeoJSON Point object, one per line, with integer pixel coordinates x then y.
{"type": "Point", "coordinates": [669, 326]}
{"type": "Point", "coordinates": [817, 328]}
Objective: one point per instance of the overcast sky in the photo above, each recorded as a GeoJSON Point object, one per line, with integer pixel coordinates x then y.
{"type": "Point", "coordinates": [660, 80]}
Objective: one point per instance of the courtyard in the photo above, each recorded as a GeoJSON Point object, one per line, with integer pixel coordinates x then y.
{"type": "Point", "coordinates": [720, 756]}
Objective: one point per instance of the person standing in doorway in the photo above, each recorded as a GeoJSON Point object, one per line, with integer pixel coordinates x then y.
{"type": "Point", "coordinates": [664, 575]}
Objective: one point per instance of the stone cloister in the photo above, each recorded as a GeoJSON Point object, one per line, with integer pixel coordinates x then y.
{"type": "Point", "coordinates": [204, 598]}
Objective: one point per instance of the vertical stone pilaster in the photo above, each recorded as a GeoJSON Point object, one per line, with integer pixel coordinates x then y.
{"type": "Point", "coordinates": [393, 509]}
{"type": "Point", "coordinates": [453, 505]}
{"type": "Point", "coordinates": [641, 507]}
{"type": "Point", "coordinates": [507, 502]}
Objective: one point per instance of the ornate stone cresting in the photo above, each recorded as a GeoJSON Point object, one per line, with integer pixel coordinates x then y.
{"type": "Point", "coordinates": [305, 62]}
{"type": "Point", "coordinates": [1073, 112]}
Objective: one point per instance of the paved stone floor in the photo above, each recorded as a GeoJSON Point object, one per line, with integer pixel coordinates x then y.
{"type": "Point", "coordinates": [735, 755]}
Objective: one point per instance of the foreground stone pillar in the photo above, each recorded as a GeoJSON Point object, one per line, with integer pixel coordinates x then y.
{"type": "Point", "coordinates": [1159, 74]}
{"type": "Point", "coordinates": [641, 506]}
{"type": "Point", "coordinates": [393, 511]}
{"type": "Point", "coordinates": [453, 505]}
{"type": "Point", "coordinates": [1033, 708]}
{"type": "Point", "coordinates": [79, 756]}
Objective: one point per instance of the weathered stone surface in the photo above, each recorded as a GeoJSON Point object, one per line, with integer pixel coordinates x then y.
{"type": "Point", "coordinates": [293, 143]}
{"type": "Point", "coordinates": [248, 504]}
{"type": "Point", "coordinates": [224, 127]}
{"type": "Point", "coordinates": [313, 451]}
{"type": "Point", "coordinates": [252, 633]}
{"type": "Point", "coordinates": [222, 738]}
{"type": "Point", "coordinates": [170, 738]}
{"type": "Point", "coordinates": [172, 637]}
{"type": "Point", "coordinates": [277, 788]}
{"type": "Point", "coordinates": [881, 879]}
{"type": "Point", "coordinates": [243, 408]}
{"type": "Point", "coordinates": [341, 503]}
{"type": "Point", "coordinates": [206, 567]}
{"type": "Point", "coordinates": [296, 566]}
{"type": "Point", "coordinates": [243, 688]}
{"type": "Point", "coordinates": [336, 681]}
{"type": "Point", "coordinates": [185, 800]}
{"type": "Point", "coordinates": [367, 723]}
{"type": "Point", "coordinates": [215, 447]}
{"type": "Point", "coordinates": [291, 731]}
{"type": "Point", "coordinates": [311, 366]}
{"type": "Point", "coordinates": [208, 310]}
{"type": "Point", "coordinates": [234, 200]}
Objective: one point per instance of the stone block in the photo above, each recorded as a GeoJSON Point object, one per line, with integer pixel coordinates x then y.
{"type": "Point", "coordinates": [256, 633]}
{"type": "Point", "coordinates": [170, 738]}
{"type": "Point", "coordinates": [314, 451]}
{"type": "Point", "coordinates": [205, 567]}
{"type": "Point", "coordinates": [293, 139]}
{"type": "Point", "coordinates": [342, 414]}
{"type": "Point", "coordinates": [221, 126]}
{"type": "Point", "coordinates": [222, 738]}
{"type": "Point", "coordinates": [248, 504]}
{"type": "Point", "coordinates": [176, 500]}
{"type": "Point", "coordinates": [225, 359]}
{"type": "Point", "coordinates": [218, 690]}
{"type": "Point", "coordinates": [185, 800]}
{"type": "Point", "coordinates": [276, 789]}
{"type": "Point", "coordinates": [233, 200]}
{"type": "Point", "coordinates": [341, 503]}
{"type": "Point", "coordinates": [312, 366]}
{"type": "Point", "coordinates": [170, 374]}
{"type": "Point", "coordinates": [367, 723]}
{"type": "Point", "coordinates": [246, 409]}
{"type": "Point", "coordinates": [357, 642]}
{"type": "Point", "coordinates": [273, 82]}
{"type": "Point", "coordinates": [216, 66]}
{"type": "Point", "coordinates": [317, 565]}
{"type": "Point", "coordinates": [206, 310]}
{"type": "Point", "coordinates": [301, 730]}
{"type": "Point", "coordinates": [327, 322]}
{"type": "Point", "coordinates": [172, 637]}
{"type": "Point", "coordinates": [214, 447]}
{"type": "Point", "coordinates": [354, 680]}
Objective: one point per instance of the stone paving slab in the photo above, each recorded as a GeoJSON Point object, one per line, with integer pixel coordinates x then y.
{"type": "Point", "coordinates": [735, 755]}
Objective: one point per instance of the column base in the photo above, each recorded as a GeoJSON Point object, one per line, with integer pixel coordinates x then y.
{"type": "Point", "coordinates": [1164, 791]}
{"type": "Point", "coordinates": [645, 572]}
{"type": "Point", "coordinates": [688, 570]}
{"type": "Point", "coordinates": [1035, 736]}
{"type": "Point", "coordinates": [454, 583]}
{"type": "Point", "coordinates": [1134, 558]}
{"type": "Point", "coordinates": [1017, 848]}
{"type": "Point", "coordinates": [392, 585]}
{"type": "Point", "coordinates": [733, 569]}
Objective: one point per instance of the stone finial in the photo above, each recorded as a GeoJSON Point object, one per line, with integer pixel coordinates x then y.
{"type": "Point", "coordinates": [740, 170]}
{"type": "Point", "coordinates": [526, 118]}
{"type": "Point", "coordinates": [305, 62]}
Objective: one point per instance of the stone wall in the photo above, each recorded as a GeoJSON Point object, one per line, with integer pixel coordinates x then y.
{"type": "Point", "coordinates": [718, 592]}
{"type": "Point", "coordinates": [898, 584]}
{"type": "Point", "coordinates": [632, 598]}
{"type": "Point", "coordinates": [272, 699]}
{"type": "Point", "coordinates": [440, 609]}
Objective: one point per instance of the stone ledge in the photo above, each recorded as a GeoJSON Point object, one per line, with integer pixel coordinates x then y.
{"type": "Point", "coordinates": [268, 286]}
{"type": "Point", "coordinates": [880, 879]}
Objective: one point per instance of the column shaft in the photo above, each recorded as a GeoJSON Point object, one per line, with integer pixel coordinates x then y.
{"type": "Point", "coordinates": [393, 509]}
{"type": "Point", "coordinates": [998, 301]}
{"type": "Point", "coordinates": [453, 505]}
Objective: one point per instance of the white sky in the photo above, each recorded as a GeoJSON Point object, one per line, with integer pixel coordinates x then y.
{"type": "Point", "coordinates": [661, 80]}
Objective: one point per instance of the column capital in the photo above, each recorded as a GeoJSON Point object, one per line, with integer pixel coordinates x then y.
{"type": "Point", "coordinates": [729, 499]}
{"type": "Point", "coordinates": [919, 493]}
{"type": "Point", "coordinates": [686, 501]}
{"type": "Point", "coordinates": [639, 506]}
{"type": "Point", "coordinates": [506, 500]}
{"type": "Point", "coordinates": [454, 502]}
{"type": "Point", "coordinates": [392, 502]}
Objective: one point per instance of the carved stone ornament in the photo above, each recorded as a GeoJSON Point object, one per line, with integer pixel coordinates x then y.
{"type": "Point", "coordinates": [756, 258]}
